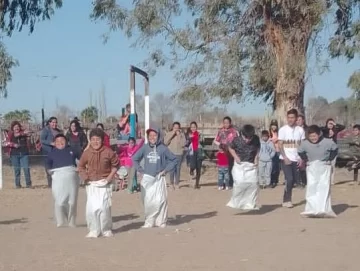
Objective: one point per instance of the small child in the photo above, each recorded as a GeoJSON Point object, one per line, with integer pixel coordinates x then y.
{"type": "Point", "coordinates": [126, 152]}
{"type": "Point", "coordinates": [158, 160]}
{"type": "Point", "coordinates": [318, 152]}
{"type": "Point", "coordinates": [97, 168]}
{"type": "Point", "coordinates": [267, 152]}
{"type": "Point", "coordinates": [61, 166]}
{"type": "Point", "coordinates": [223, 168]}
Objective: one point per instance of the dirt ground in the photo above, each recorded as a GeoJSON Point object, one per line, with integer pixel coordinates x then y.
{"type": "Point", "coordinates": [203, 234]}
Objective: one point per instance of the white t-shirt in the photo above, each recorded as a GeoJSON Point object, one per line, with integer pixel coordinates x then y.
{"type": "Point", "coordinates": [291, 138]}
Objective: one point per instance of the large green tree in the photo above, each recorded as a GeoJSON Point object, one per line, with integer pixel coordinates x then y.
{"type": "Point", "coordinates": [14, 15]}
{"type": "Point", "coordinates": [235, 48]}
{"type": "Point", "coordinates": [18, 115]}
{"type": "Point", "coordinates": [90, 114]}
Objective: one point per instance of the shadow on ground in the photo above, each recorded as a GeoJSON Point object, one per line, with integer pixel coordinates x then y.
{"type": "Point", "coordinates": [183, 219]}
{"type": "Point", "coordinates": [341, 208]}
{"type": "Point", "coordinates": [14, 221]}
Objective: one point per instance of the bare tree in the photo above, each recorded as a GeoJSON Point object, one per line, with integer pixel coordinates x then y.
{"type": "Point", "coordinates": [162, 109]}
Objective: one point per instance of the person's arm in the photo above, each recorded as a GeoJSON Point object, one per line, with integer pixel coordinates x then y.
{"type": "Point", "coordinates": [168, 137]}
{"type": "Point", "coordinates": [272, 149]}
{"type": "Point", "coordinates": [302, 152]}
{"type": "Point", "coordinates": [182, 140]}
{"type": "Point", "coordinates": [339, 127]}
{"type": "Point", "coordinates": [82, 167]}
{"type": "Point", "coordinates": [114, 166]}
{"type": "Point", "coordinates": [138, 146]}
{"type": "Point", "coordinates": [333, 151]}
{"type": "Point", "coordinates": [49, 162]}
{"type": "Point", "coordinates": [44, 138]}
{"type": "Point", "coordinates": [217, 139]}
{"type": "Point", "coordinates": [281, 139]}
{"type": "Point", "coordinates": [233, 153]}
{"type": "Point", "coordinates": [171, 161]}
{"type": "Point", "coordinates": [136, 159]}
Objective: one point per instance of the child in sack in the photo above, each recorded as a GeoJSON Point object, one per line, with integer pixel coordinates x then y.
{"type": "Point", "coordinates": [158, 161]}
{"type": "Point", "coordinates": [126, 152]}
{"type": "Point", "coordinates": [318, 152]}
{"type": "Point", "coordinates": [266, 155]}
{"type": "Point", "coordinates": [97, 168]}
{"type": "Point", "coordinates": [60, 164]}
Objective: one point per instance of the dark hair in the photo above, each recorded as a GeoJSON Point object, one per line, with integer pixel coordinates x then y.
{"type": "Point", "coordinates": [193, 122]}
{"type": "Point", "coordinates": [77, 125]}
{"type": "Point", "coordinates": [328, 120]}
{"type": "Point", "coordinates": [13, 124]}
{"type": "Point", "coordinates": [176, 123]}
{"type": "Point", "coordinates": [273, 123]}
{"type": "Point", "coordinates": [50, 120]}
{"type": "Point", "coordinates": [101, 125]}
{"type": "Point", "coordinates": [292, 112]}
{"type": "Point", "coordinates": [60, 136]}
{"type": "Point", "coordinates": [127, 105]}
{"type": "Point", "coordinates": [314, 129]}
{"type": "Point", "coordinates": [227, 118]}
{"type": "Point", "coordinates": [265, 133]}
{"type": "Point", "coordinates": [222, 146]}
{"type": "Point", "coordinates": [248, 131]}
{"type": "Point", "coordinates": [356, 126]}
{"type": "Point", "coordinates": [132, 139]}
{"type": "Point", "coordinates": [98, 133]}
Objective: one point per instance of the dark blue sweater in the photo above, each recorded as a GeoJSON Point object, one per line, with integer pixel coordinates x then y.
{"type": "Point", "coordinates": [60, 158]}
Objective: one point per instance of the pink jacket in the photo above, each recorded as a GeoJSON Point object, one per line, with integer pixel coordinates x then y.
{"type": "Point", "coordinates": [126, 153]}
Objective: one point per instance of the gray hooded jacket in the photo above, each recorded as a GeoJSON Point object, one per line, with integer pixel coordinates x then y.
{"type": "Point", "coordinates": [157, 158]}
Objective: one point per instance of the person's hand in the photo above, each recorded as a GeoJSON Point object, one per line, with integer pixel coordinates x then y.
{"type": "Point", "coordinates": [287, 161]}
{"type": "Point", "coordinates": [52, 144]}
{"type": "Point", "coordinates": [16, 146]}
{"type": "Point", "coordinates": [237, 160]}
{"type": "Point", "coordinates": [177, 132]}
{"type": "Point", "coordinates": [162, 173]}
{"type": "Point", "coordinates": [256, 162]}
{"type": "Point", "coordinates": [300, 163]}
{"type": "Point", "coordinates": [109, 180]}
{"type": "Point", "coordinates": [328, 163]}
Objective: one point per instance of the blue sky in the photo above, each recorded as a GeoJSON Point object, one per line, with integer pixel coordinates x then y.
{"type": "Point", "coordinates": [70, 47]}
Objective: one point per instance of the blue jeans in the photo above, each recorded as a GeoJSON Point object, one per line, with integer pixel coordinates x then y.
{"type": "Point", "coordinates": [19, 162]}
{"type": "Point", "coordinates": [175, 174]}
{"type": "Point", "coordinates": [223, 176]}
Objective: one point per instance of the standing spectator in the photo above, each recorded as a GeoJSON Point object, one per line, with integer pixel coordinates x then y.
{"type": "Point", "coordinates": [195, 152]}
{"type": "Point", "coordinates": [76, 139]}
{"type": "Point", "coordinates": [290, 137]}
{"type": "Point", "coordinates": [123, 126]}
{"type": "Point", "coordinates": [225, 136]}
{"type": "Point", "coordinates": [302, 171]}
{"type": "Point", "coordinates": [273, 132]}
{"type": "Point", "coordinates": [267, 153]}
{"type": "Point", "coordinates": [47, 142]}
{"type": "Point", "coordinates": [106, 141]}
{"type": "Point", "coordinates": [331, 131]}
{"type": "Point", "coordinates": [222, 162]}
{"type": "Point", "coordinates": [175, 140]}
{"type": "Point", "coordinates": [18, 143]}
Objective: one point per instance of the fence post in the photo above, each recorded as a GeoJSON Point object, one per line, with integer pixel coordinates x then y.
{"type": "Point", "coordinates": [1, 159]}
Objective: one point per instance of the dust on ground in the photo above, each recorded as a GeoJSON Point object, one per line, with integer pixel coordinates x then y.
{"type": "Point", "coordinates": [203, 234]}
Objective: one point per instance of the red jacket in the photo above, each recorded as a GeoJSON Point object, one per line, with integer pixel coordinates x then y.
{"type": "Point", "coordinates": [222, 159]}
{"type": "Point", "coordinates": [107, 140]}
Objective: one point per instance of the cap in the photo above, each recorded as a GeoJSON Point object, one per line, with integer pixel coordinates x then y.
{"type": "Point", "coordinates": [151, 130]}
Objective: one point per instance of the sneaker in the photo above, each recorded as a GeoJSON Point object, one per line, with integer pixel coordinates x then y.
{"type": "Point", "coordinates": [288, 204]}
{"type": "Point", "coordinates": [108, 234]}
{"type": "Point", "coordinates": [162, 226]}
{"type": "Point", "coordinates": [220, 188]}
{"type": "Point", "coordinates": [227, 188]}
{"type": "Point", "coordinates": [146, 226]}
{"type": "Point", "coordinates": [92, 235]}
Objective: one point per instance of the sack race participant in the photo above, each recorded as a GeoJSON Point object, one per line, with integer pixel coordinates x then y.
{"type": "Point", "coordinates": [158, 161]}
{"type": "Point", "coordinates": [97, 168]}
{"type": "Point", "coordinates": [60, 163]}
{"type": "Point", "coordinates": [318, 152]}
{"type": "Point", "coordinates": [245, 150]}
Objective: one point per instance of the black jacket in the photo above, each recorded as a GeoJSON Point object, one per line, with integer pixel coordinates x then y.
{"type": "Point", "coordinates": [326, 132]}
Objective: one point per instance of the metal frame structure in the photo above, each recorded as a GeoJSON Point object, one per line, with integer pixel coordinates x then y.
{"type": "Point", "coordinates": [133, 71]}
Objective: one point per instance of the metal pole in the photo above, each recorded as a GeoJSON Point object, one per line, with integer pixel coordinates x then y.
{"type": "Point", "coordinates": [1, 160]}
{"type": "Point", "coordinates": [134, 70]}
{"type": "Point", "coordinates": [132, 105]}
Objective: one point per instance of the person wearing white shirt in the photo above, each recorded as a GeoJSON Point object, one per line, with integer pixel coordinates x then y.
{"type": "Point", "coordinates": [290, 137]}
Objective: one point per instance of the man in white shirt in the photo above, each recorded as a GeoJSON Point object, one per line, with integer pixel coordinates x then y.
{"type": "Point", "coordinates": [290, 137]}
